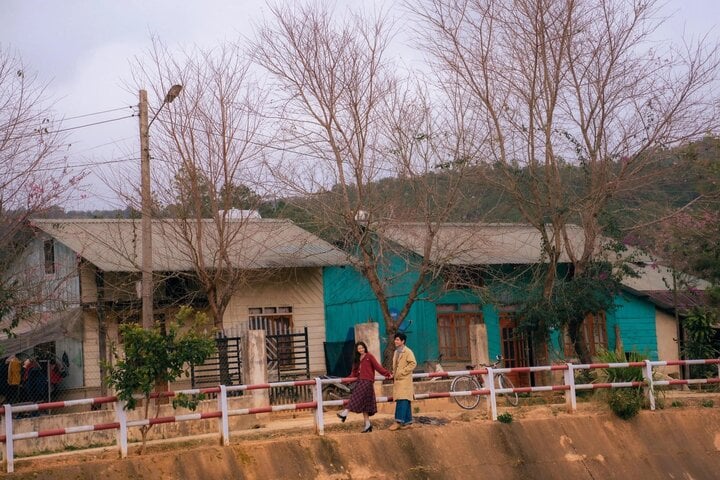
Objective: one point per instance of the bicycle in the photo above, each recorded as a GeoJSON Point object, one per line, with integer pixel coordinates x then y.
{"type": "Point", "coordinates": [335, 391]}
{"type": "Point", "coordinates": [465, 383]}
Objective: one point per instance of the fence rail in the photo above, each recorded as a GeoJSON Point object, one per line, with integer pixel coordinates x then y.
{"type": "Point", "coordinates": [318, 404]}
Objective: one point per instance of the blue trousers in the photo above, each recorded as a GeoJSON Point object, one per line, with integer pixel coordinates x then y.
{"type": "Point", "coordinates": [403, 412]}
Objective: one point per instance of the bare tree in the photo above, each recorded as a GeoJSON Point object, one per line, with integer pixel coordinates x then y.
{"type": "Point", "coordinates": [349, 122]}
{"type": "Point", "coordinates": [206, 151]}
{"type": "Point", "coordinates": [564, 83]}
{"type": "Point", "coordinates": [34, 177]}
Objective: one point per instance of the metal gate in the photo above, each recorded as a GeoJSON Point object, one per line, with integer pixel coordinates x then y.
{"type": "Point", "coordinates": [210, 373]}
{"type": "Point", "coordinates": [288, 359]}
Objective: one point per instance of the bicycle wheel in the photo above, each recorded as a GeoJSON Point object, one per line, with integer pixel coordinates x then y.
{"type": "Point", "coordinates": [512, 397]}
{"type": "Point", "coordinates": [462, 384]}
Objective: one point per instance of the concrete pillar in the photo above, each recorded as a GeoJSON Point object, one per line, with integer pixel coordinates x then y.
{"type": "Point", "coordinates": [370, 334]}
{"type": "Point", "coordinates": [254, 366]}
{"type": "Point", "coordinates": [479, 353]}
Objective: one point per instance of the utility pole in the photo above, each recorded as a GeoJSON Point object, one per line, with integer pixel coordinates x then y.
{"type": "Point", "coordinates": [146, 222]}
{"type": "Point", "coordinates": [148, 320]}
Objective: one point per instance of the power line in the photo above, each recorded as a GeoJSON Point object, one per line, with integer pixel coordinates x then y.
{"type": "Point", "coordinates": [83, 165]}
{"type": "Point", "coordinates": [50, 132]}
{"type": "Point", "coordinates": [98, 113]}
{"type": "Point", "coordinates": [92, 124]}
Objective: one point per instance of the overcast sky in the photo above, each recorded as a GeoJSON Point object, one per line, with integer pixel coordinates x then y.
{"type": "Point", "coordinates": [83, 48]}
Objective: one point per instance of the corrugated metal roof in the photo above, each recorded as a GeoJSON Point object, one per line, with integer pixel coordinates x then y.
{"type": "Point", "coordinates": [116, 244]}
{"type": "Point", "coordinates": [511, 243]}
{"type": "Point", "coordinates": [656, 277]}
{"type": "Point", "coordinates": [478, 243]}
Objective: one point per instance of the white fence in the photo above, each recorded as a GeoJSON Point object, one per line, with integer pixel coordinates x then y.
{"type": "Point", "coordinates": [222, 414]}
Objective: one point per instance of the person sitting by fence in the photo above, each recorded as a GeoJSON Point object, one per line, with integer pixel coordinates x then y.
{"type": "Point", "coordinates": [34, 382]}
{"type": "Point", "coordinates": [14, 376]}
{"type": "Point", "coordinates": [362, 398]}
{"type": "Point", "coordinates": [57, 373]}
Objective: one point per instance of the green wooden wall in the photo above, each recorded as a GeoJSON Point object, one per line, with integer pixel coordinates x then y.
{"type": "Point", "coordinates": [349, 300]}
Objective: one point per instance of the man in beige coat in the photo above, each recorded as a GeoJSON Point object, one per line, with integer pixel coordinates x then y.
{"type": "Point", "coordinates": [403, 366]}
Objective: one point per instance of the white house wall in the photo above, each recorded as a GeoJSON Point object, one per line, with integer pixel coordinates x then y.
{"type": "Point", "coordinates": [51, 292]}
{"type": "Point", "coordinates": [302, 289]}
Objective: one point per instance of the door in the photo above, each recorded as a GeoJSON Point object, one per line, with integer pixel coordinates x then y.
{"type": "Point", "coordinates": [515, 349]}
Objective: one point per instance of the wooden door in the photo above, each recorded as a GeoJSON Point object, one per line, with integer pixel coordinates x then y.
{"type": "Point", "coordinates": [515, 349]}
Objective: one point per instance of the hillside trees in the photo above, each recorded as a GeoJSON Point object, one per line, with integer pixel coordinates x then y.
{"type": "Point", "coordinates": [34, 177]}
{"type": "Point", "coordinates": [556, 83]}
{"type": "Point", "coordinates": [348, 121]}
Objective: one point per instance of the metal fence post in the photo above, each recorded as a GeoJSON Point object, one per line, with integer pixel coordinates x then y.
{"type": "Point", "coordinates": [121, 416]}
{"type": "Point", "coordinates": [570, 394]}
{"type": "Point", "coordinates": [650, 387]}
{"type": "Point", "coordinates": [9, 460]}
{"type": "Point", "coordinates": [319, 408]}
{"type": "Point", "coordinates": [224, 422]}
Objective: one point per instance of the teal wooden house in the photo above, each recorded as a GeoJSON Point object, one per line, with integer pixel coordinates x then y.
{"type": "Point", "coordinates": [439, 321]}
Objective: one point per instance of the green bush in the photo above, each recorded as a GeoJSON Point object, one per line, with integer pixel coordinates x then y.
{"type": "Point", "coordinates": [624, 402]}
{"type": "Point", "coordinates": [505, 417]}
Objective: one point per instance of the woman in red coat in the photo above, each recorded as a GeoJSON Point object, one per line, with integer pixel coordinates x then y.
{"type": "Point", "coordinates": [362, 398]}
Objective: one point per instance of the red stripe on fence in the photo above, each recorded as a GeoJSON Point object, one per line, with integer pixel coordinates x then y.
{"type": "Point", "coordinates": [51, 433]}
{"type": "Point", "coordinates": [210, 390]}
{"type": "Point", "coordinates": [159, 420]}
{"type": "Point", "coordinates": [522, 390]}
{"type": "Point", "coordinates": [106, 426]}
{"type": "Point", "coordinates": [258, 386]}
{"type": "Point", "coordinates": [50, 405]}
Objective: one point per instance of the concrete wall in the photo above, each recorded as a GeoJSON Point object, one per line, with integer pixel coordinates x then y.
{"type": "Point", "coordinates": [674, 444]}
{"type": "Point", "coordinates": [108, 437]}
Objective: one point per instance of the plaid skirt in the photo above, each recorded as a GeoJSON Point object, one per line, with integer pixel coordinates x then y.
{"type": "Point", "coordinates": [362, 398]}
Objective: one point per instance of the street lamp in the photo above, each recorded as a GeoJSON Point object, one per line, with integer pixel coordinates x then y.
{"type": "Point", "coordinates": [146, 218]}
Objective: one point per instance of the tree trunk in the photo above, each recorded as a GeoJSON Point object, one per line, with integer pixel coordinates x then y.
{"type": "Point", "coordinates": [578, 341]}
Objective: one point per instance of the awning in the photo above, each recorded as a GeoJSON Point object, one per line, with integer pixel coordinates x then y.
{"type": "Point", "coordinates": [43, 328]}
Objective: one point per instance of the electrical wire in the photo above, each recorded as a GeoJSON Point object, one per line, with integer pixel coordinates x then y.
{"type": "Point", "coordinates": [92, 124]}
{"type": "Point", "coordinates": [50, 132]}
{"type": "Point", "coordinates": [98, 113]}
{"type": "Point", "coordinates": [83, 165]}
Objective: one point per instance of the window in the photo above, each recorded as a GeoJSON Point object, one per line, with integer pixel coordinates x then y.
{"type": "Point", "coordinates": [594, 331]}
{"type": "Point", "coordinates": [49, 250]}
{"type": "Point", "coordinates": [274, 320]}
{"type": "Point", "coordinates": [454, 329]}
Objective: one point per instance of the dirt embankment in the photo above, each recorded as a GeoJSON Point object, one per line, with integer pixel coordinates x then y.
{"type": "Point", "coordinates": [677, 443]}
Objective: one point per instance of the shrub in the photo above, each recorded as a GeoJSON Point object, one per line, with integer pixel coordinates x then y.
{"type": "Point", "coordinates": [505, 417]}
{"type": "Point", "coordinates": [624, 402]}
